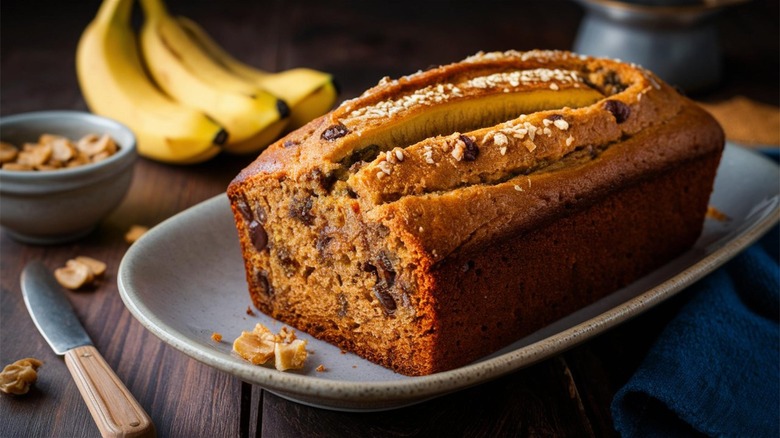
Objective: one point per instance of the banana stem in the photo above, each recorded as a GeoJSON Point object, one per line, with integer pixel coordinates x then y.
{"type": "Point", "coordinates": [117, 11]}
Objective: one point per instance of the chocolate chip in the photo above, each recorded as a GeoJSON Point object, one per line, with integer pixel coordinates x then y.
{"type": "Point", "coordinates": [243, 206]}
{"type": "Point", "coordinates": [334, 131]}
{"type": "Point", "coordinates": [258, 235]}
{"type": "Point", "coordinates": [620, 110]}
{"type": "Point", "coordinates": [261, 280]}
{"type": "Point", "coordinates": [471, 151]}
{"type": "Point", "coordinates": [289, 143]}
{"type": "Point", "coordinates": [384, 270]}
{"type": "Point", "coordinates": [555, 117]}
{"type": "Point", "coordinates": [300, 208]}
{"type": "Point", "coordinates": [387, 301]}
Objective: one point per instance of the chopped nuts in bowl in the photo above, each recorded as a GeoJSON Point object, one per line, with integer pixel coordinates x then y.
{"type": "Point", "coordinates": [62, 173]}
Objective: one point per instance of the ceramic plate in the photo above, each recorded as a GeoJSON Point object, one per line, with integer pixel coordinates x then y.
{"type": "Point", "coordinates": [184, 280]}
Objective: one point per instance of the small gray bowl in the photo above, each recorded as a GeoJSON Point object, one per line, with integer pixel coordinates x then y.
{"type": "Point", "coordinates": [57, 206]}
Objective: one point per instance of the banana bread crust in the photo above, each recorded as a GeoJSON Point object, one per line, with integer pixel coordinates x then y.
{"type": "Point", "coordinates": [422, 228]}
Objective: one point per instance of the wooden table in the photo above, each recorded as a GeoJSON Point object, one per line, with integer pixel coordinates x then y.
{"type": "Point", "coordinates": [360, 42]}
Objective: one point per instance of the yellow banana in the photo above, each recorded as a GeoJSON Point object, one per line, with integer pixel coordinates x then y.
{"type": "Point", "coordinates": [310, 93]}
{"type": "Point", "coordinates": [253, 116]}
{"type": "Point", "coordinates": [114, 84]}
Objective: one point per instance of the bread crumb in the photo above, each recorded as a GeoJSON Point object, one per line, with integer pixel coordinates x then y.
{"type": "Point", "coordinates": [321, 368]}
{"type": "Point", "coordinates": [714, 213]}
{"type": "Point", "coordinates": [249, 311]}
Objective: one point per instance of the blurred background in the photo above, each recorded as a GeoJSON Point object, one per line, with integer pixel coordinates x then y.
{"type": "Point", "coordinates": [360, 41]}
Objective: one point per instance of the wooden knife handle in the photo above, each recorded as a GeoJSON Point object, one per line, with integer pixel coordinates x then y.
{"type": "Point", "coordinates": [115, 410]}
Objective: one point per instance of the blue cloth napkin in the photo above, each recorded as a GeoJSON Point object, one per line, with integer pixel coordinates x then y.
{"type": "Point", "coordinates": [715, 368]}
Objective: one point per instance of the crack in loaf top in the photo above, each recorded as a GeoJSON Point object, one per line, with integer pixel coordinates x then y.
{"type": "Point", "coordinates": [480, 121]}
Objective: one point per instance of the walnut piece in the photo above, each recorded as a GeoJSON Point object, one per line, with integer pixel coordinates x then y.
{"type": "Point", "coordinates": [97, 267]}
{"type": "Point", "coordinates": [79, 272]}
{"type": "Point", "coordinates": [256, 346]}
{"type": "Point", "coordinates": [134, 233]}
{"type": "Point", "coordinates": [73, 275]}
{"type": "Point", "coordinates": [8, 152]}
{"type": "Point", "coordinates": [53, 152]}
{"type": "Point", "coordinates": [290, 356]}
{"type": "Point", "coordinates": [260, 346]}
{"type": "Point", "coordinates": [17, 377]}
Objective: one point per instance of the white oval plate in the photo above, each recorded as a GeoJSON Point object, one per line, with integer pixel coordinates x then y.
{"type": "Point", "coordinates": [184, 280]}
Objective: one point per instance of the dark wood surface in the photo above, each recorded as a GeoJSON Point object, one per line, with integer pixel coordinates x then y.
{"type": "Point", "coordinates": [360, 42]}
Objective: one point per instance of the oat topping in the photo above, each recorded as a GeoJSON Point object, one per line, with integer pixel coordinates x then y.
{"type": "Point", "coordinates": [458, 151]}
{"type": "Point", "coordinates": [561, 124]}
{"type": "Point", "coordinates": [442, 92]}
{"type": "Point", "coordinates": [538, 55]}
{"type": "Point", "coordinates": [428, 154]}
{"type": "Point", "coordinates": [499, 139]}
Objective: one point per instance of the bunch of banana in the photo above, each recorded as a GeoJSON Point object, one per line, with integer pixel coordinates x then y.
{"type": "Point", "coordinates": [186, 72]}
{"type": "Point", "coordinates": [309, 93]}
{"type": "Point", "coordinates": [114, 84]}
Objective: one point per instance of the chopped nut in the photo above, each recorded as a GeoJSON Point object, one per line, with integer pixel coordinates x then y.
{"type": "Point", "coordinates": [92, 145]}
{"type": "Point", "coordinates": [97, 267]}
{"type": "Point", "coordinates": [256, 346]}
{"type": "Point", "coordinates": [135, 233]}
{"type": "Point", "coordinates": [74, 275]}
{"type": "Point", "coordinates": [260, 345]}
{"type": "Point", "coordinates": [62, 149]}
{"type": "Point", "coordinates": [290, 356]}
{"type": "Point", "coordinates": [8, 152]}
{"type": "Point", "coordinates": [561, 124]}
{"type": "Point", "coordinates": [458, 151]}
{"type": "Point", "coordinates": [56, 152]}
{"type": "Point", "coordinates": [216, 337]}
{"type": "Point", "coordinates": [34, 155]}
{"type": "Point", "coordinates": [17, 377]}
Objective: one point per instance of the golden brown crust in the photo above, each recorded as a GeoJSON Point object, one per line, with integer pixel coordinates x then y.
{"type": "Point", "coordinates": [362, 227]}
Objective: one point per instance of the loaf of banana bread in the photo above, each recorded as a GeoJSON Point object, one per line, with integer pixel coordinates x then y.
{"type": "Point", "coordinates": [440, 216]}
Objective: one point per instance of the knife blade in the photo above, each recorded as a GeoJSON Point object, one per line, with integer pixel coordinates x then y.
{"type": "Point", "coordinates": [114, 409]}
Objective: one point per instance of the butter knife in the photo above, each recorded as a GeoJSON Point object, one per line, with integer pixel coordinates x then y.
{"type": "Point", "coordinates": [115, 410]}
